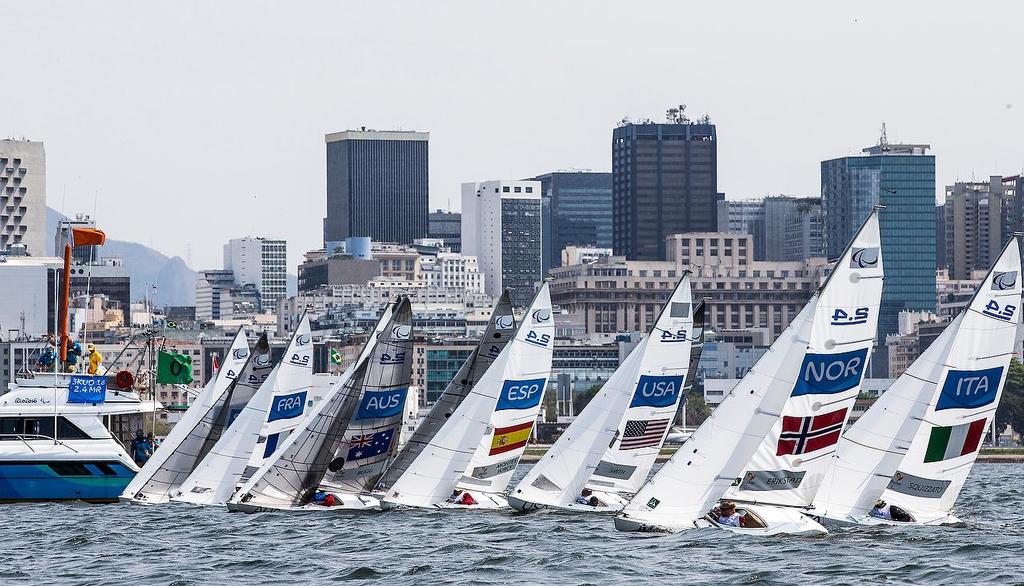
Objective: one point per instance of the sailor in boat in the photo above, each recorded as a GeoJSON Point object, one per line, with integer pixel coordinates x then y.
{"type": "Point", "coordinates": [727, 515]}
{"type": "Point", "coordinates": [461, 497]}
{"type": "Point", "coordinates": [887, 512]}
{"type": "Point", "coordinates": [587, 497]}
{"type": "Point", "coordinates": [325, 499]}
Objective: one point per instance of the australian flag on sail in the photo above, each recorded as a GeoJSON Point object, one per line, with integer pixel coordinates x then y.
{"type": "Point", "coordinates": [369, 445]}
{"type": "Point", "coordinates": [801, 435]}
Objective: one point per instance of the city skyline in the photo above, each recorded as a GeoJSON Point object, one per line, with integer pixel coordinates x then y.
{"type": "Point", "coordinates": [229, 155]}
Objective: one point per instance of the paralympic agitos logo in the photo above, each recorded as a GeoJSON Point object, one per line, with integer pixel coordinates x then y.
{"type": "Point", "coordinates": [864, 258]}
{"type": "Point", "coordinates": [1004, 281]}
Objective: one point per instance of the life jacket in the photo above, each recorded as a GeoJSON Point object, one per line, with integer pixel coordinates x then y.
{"type": "Point", "coordinates": [467, 499]}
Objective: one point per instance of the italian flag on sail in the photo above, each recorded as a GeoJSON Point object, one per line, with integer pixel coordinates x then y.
{"type": "Point", "coordinates": [946, 443]}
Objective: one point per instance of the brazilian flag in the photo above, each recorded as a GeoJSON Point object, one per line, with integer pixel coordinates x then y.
{"type": "Point", "coordinates": [173, 369]}
{"type": "Point", "coordinates": [335, 356]}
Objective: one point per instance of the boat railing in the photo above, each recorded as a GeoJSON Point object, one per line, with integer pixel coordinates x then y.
{"type": "Point", "coordinates": [24, 437]}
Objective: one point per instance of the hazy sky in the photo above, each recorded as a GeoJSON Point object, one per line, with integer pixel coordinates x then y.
{"type": "Point", "coordinates": [189, 123]}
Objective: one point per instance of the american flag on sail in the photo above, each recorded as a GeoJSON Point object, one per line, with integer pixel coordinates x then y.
{"type": "Point", "coordinates": [643, 434]}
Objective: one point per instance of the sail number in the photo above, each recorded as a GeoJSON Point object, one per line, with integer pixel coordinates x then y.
{"type": "Point", "coordinates": [1003, 312]}
{"type": "Point", "coordinates": [843, 318]}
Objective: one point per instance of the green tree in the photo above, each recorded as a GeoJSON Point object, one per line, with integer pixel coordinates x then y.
{"type": "Point", "coordinates": [578, 403]}
{"type": "Point", "coordinates": [1011, 406]}
{"type": "Point", "coordinates": [697, 410]}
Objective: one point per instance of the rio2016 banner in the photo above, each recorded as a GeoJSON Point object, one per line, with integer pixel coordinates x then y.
{"type": "Point", "coordinates": [657, 391]}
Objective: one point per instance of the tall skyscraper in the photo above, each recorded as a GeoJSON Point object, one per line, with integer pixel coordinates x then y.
{"type": "Point", "coordinates": [664, 181]}
{"type": "Point", "coordinates": [261, 263]}
{"type": "Point", "coordinates": [979, 219]}
{"type": "Point", "coordinates": [501, 226]}
{"type": "Point", "coordinates": [376, 186]}
{"type": "Point", "coordinates": [23, 195]}
{"type": "Point", "coordinates": [577, 211]}
{"type": "Point", "coordinates": [783, 227]}
{"type": "Point", "coordinates": [902, 178]}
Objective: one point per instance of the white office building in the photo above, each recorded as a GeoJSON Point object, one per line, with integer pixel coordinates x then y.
{"type": "Point", "coordinates": [452, 269]}
{"type": "Point", "coordinates": [262, 263]}
{"type": "Point", "coordinates": [23, 196]}
{"type": "Point", "coordinates": [501, 227]}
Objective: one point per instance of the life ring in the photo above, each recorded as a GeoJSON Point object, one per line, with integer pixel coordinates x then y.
{"type": "Point", "coordinates": [124, 379]}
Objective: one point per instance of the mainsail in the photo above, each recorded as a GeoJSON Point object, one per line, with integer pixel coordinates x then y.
{"type": "Point", "coordinates": [626, 464]}
{"type": "Point", "coordinates": [179, 452]}
{"type": "Point", "coordinates": [497, 335]}
{"type": "Point", "coordinates": [791, 462]}
{"type": "Point", "coordinates": [371, 436]}
{"type": "Point", "coordinates": [704, 467]}
{"type": "Point", "coordinates": [435, 472]}
{"type": "Point", "coordinates": [518, 405]}
{"type": "Point", "coordinates": [962, 402]}
{"type": "Point", "coordinates": [292, 477]}
{"type": "Point", "coordinates": [647, 388]}
{"type": "Point", "coordinates": [277, 407]}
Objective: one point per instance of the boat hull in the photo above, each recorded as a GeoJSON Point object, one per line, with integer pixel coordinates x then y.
{"type": "Point", "coordinates": [94, 481]}
{"type": "Point", "coordinates": [948, 519]}
{"type": "Point", "coordinates": [484, 501]}
{"type": "Point", "coordinates": [777, 521]}
{"type": "Point", "coordinates": [345, 502]}
{"type": "Point", "coordinates": [613, 504]}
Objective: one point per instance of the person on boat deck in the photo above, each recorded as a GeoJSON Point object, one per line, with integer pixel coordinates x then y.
{"type": "Point", "coordinates": [73, 353]}
{"type": "Point", "coordinates": [727, 515]}
{"type": "Point", "coordinates": [142, 449]}
{"type": "Point", "coordinates": [95, 360]}
{"type": "Point", "coordinates": [587, 497]}
{"type": "Point", "coordinates": [48, 357]}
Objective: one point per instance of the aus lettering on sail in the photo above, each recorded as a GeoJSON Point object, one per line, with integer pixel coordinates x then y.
{"type": "Point", "coordinates": [381, 404]}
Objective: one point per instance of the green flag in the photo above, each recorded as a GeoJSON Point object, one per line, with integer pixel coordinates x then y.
{"type": "Point", "coordinates": [335, 356]}
{"type": "Point", "coordinates": [175, 369]}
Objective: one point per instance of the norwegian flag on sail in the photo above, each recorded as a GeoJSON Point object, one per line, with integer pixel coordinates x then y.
{"type": "Point", "coordinates": [810, 434]}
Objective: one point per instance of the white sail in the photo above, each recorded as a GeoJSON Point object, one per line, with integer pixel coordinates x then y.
{"type": "Point", "coordinates": [431, 477]}
{"type": "Point", "coordinates": [291, 478]}
{"type": "Point", "coordinates": [791, 462]}
{"type": "Point", "coordinates": [517, 407]}
{"type": "Point", "coordinates": [713, 458]}
{"type": "Point", "coordinates": [276, 408]}
{"type": "Point", "coordinates": [963, 401]}
{"type": "Point", "coordinates": [624, 467]}
{"type": "Point", "coordinates": [647, 388]}
{"type": "Point", "coordinates": [371, 436]}
{"type": "Point", "coordinates": [497, 335]}
{"type": "Point", "coordinates": [179, 452]}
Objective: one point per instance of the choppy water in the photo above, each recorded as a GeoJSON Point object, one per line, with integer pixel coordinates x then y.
{"type": "Point", "coordinates": [127, 545]}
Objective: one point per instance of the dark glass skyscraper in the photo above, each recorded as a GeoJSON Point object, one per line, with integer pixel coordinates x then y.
{"type": "Point", "coordinates": [376, 186]}
{"type": "Point", "coordinates": [577, 207]}
{"type": "Point", "coordinates": [902, 178]}
{"type": "Point", "coordinates": [664, 181]}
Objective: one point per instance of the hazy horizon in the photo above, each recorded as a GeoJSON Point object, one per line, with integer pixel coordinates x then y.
{"type": "Point", "coordinates": [211, 117]}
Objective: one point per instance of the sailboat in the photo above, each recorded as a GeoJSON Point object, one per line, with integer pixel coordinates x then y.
{"type": "Point", "coordinates": [496, 336]}
{"type": "Point", "coordinates": [615, 440]}
{"type": "Point", "coordinates": [814, 359]}
{"type": "Point", "coordinates": [496, 417]}
{"type": "Point", "coordinates": [274, 410]}
{"type": "Point", "coordinates": [337, 437]}
{"type": "Point", "coordinates": [915, 446]}
{"type": "Point", "coordinates": [179, 453]}
{"type": "Point", "coordinates": [786, 472]}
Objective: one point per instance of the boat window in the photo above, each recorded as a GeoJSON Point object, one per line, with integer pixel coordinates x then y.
{"type": "Point", "coordinates": [15, 426]}
{"type": "Point", "coordinates": [70, 469]}
{"type": "Point", "coordinates": [751, 520]}
{"type": "Point", "coordinates": [105, 469]}
{"type": "Point", "coordinates": [899, 515]}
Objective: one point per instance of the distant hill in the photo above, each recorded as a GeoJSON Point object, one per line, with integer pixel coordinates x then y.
{"type": "Point", "coordinates": [175, 281]}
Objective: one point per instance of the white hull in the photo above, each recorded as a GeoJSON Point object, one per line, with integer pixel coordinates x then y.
{"type": "Point", "coordinates": [345, 503]}
{"type": "Point", "coordinates": [613, 503]}
{"type": "Point", "coordinates": [484, 500]}
{"type": "Point", "coordinates": [777, 521]}
{"type": "Point", "coordinates": [869, 521]}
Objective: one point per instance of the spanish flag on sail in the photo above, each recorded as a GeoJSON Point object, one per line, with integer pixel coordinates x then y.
{"type": "Point", "coordinates": [510, 438]}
